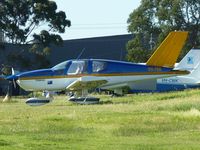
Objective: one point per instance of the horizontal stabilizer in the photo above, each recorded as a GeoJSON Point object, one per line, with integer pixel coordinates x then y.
{"type": "Point", "coordinates": [191, 60]}
{"type": "Point", "coordinates": [168, 51]}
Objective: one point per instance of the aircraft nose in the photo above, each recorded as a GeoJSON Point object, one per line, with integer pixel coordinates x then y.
{"type": "Point", "coordinates": [12, 77]}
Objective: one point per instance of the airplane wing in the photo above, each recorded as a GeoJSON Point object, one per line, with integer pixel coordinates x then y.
{"type": "Point", "coordinates": [79, 84]}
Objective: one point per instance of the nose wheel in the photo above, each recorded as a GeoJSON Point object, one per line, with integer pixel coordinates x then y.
{"type": "Point", "coordinates": [34, 101]}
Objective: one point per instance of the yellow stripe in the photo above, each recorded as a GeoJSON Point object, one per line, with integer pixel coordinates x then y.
{"type": "Point", "coordinates": [101, 75]}
{"type": "Point", "coordinates": [168, 51]}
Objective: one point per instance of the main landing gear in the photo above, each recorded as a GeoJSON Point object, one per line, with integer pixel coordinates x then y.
{"type": "Point", "coordinates": [83, 98]}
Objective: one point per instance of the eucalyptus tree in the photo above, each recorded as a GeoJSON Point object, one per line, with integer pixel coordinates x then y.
{"type": "Point", "coordinates": [32, 22]}
{"type": "Point", "coordinates": [154, 19]}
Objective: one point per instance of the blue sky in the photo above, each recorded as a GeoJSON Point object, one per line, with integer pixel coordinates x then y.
{"type": "Point", "coordinates": [93, 18]}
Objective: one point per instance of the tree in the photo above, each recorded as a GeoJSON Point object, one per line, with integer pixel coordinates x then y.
{"type": "Point", "coordinates": [136, 50]}
{"type": "Point", "coordinates": [154, 19]}
{"type": "Point", "coordinates": [20, 19]}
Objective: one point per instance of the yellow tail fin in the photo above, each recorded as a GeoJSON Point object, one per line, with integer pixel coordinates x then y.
{"type": "Point", "coordinates": [168, 51]}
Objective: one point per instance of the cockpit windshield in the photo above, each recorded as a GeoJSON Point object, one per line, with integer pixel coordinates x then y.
{"type": "Point", "coordinates": [60, 66]}
{"type": "Point", "coordinates": [71, 67]}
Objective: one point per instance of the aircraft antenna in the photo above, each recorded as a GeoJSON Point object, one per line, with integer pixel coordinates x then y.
{"type": "Point", "coordinates": [80, 54]}
{"type": "Point", "coordinates": [151, 42]}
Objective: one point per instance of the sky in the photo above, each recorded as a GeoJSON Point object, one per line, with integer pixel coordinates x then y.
{"type": "Point", "coordinates": [94, 18]}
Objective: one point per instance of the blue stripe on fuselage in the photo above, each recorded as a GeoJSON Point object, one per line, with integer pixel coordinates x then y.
{"type": "Point", "coordinates": [125, 67]}
{"type": "Point", "coordinates": [36, 73]}
{"type": "Point", "coordinates": [109, 70]}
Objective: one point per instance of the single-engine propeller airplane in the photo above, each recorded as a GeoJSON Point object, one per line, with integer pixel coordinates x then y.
{"type": "Point", "coordinates": [86, 74]}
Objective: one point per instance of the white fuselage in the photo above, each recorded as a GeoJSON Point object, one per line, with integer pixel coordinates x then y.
{"type": "Point", "coordinates": [58, 84]}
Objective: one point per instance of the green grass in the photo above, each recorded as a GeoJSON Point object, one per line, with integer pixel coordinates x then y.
{"type": "Point", "coordinates": [138, 122]}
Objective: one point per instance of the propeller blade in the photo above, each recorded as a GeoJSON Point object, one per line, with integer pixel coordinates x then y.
{"type": "Point", "coordinates": [14, 83]}
{"type": "Point", "coordinates": [13, 71]}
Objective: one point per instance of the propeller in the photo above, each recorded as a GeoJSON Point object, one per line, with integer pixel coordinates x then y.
{"type": "Point", "coordinates": [10, 79]}
{"type": "Point", "coordinates": [14, 83]}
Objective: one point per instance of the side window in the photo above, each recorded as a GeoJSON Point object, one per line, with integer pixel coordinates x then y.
{"type": "Point", "coordinates": [77, 67]}
{"type": "Point", "coordinates": [98, 66]}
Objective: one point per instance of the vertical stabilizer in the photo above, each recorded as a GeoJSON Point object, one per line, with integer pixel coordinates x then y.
{"type": "Point", "coordinates": [168, 51]}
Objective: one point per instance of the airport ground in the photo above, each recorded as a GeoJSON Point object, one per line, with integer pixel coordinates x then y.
{"type": "Point", "coordinates": [141, 121]}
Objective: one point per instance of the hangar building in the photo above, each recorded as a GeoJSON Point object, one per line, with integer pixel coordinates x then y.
{"type": "Point", "coordinates": [108, 47]}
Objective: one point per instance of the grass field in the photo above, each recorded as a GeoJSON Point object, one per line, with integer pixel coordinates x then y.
{"type": "Point", "coordinates": [138, 122]}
